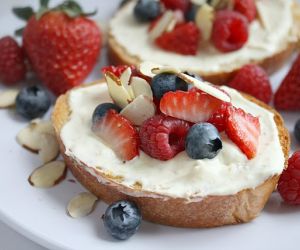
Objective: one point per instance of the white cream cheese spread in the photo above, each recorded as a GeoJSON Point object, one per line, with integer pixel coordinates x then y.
{"type": "Point", "coordinates": [228, 173]}
{"type": "Point", "coordinates": [265, 39]}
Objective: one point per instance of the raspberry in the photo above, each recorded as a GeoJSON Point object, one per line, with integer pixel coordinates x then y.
{"type": "Point", "coordinates": [184, 39]}
{"type": "Point", "coordinates": [289, 182]}
{"type": "Point", "coordinates": [182, 5]}
{"type": "Point", "coordinates": [230, 30]}
{"type": "Point", "coordinates": [12, 66]}
{"type": "Point", "coordinates": [163, 137]}
{"type": "Point", "coordinates": [254, 81]}
{"type": "Point", "coordinates": [247, 8]}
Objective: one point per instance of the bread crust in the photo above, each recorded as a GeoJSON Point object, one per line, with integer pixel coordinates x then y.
{"type": "Point", "coordinates": [209, 211]}
{"type": "Point", "coordinates": [118, 55]}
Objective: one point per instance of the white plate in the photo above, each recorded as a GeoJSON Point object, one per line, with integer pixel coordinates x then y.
{"type": "Point", "coordinates": [40, 214]}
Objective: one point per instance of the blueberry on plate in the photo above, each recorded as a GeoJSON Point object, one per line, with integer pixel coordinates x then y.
{"type": "Point", "coordinates": [122, 219]}
{"type": "Point", "coordinates": [32, 102]}
{"type": "Point", "coordinates": [297, 130]}
{"type": "Point", "coordinates": [101, 110]}
{"type": "Point", "coordinates": [203, 141]}
{"type": "Point", "coordinates": [165, 82]}
{"type": "Point", "coordinates": [146, 10]}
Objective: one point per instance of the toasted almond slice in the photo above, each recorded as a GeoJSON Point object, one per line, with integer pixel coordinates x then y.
{"type": "Point", "coordinates": [206, 87]}
{"type": "Point", "coordinates": [8, 98]}
{"type": "Point", "coordinates": [141, 87]}
{"type": "Point", "coordinates": [161, 25]}
{"type": "Point", "coordinates": [49, 148]}
{"type": "Point", "coordinates": [117, 91]}
{"type": "Point", "coordinates": [171, 25]}
{"type": "Point", "coordinates": [125, 81]}
{"type": "Point", "coordinates": [30, 136]}
{"type": "Point", "coordinates": [165, 69]}
{"type": "Point", "coordinates": [81, 205]}
{"type": "Point", "coordinates": [139, 110]}
{"type": "Point", "coordinates": [204, 20]}
{"type": "Point", "coordinates": [48, 175]}
{"type": "Point", "coordinates": [146, 68]}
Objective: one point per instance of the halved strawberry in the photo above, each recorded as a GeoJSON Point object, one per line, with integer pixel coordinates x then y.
{"type": "Point", "coordinates": [244, 130]}
{"type": "Point", "coordinates": [193, 106]}
{"type": "Point", "coordinates": [218, 119]}
{"type": "Point", "coordinates": [119, 134]}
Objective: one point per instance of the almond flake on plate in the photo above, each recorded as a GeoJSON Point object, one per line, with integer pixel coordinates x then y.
{"type": "Point", "coordinates": [8, 98]}
{"type": "Point", "coordinates": [49, 148]}
{"type": "Point", "coordinates": [81, 205]}
{"type": "Point", "coordinates": [48, 175]}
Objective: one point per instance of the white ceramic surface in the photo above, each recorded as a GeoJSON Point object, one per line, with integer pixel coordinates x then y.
{"type": "Point", "coordinates": [40, 214]}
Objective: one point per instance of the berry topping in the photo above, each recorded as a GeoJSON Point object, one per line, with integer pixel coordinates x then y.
{"type": "Point", "coordinates": [203, 141]}
{"type": "Point", "coordinates": [182, 5]}
{"type": "Point", "coordinates": [297, 130]}
{"type": "Point", "coordinates": [183, 39]}
{"type": "Point", "coordinates": [163, 137]}
{"type": "Point", "coordinates": [32, 102]}
{"type": "Point", "coordinates": [146, 10]}
{"type": "Point", "coordinates": [119, 133]}
{"type": "Point", "coordinates": [101, 110]}
{"type": "Point", "coordinates": [193, 106]}
{"type": "Point", "coordinates": [288, 94]}
{"type": "Point", "coordinates": [230, 30]}
{"type": "Point", "coordinates": [122, 219]}
{"type": "Point", "coordinates": [289, 182]}
{"type": "Point", "coordinates": [165, 82]}
{"type": "Point", "coordinates": [244, 130]}
{"type": "Point", "coordinates": [246, 7]}
{"type": "Point", "coordinates": [12, 66]}
{"type": "Point", "coordinates": [116, 70]}
{"type": "Point", "coordinates": [254, 81]}
{"type": "Point", "coordinates": [218, 119]}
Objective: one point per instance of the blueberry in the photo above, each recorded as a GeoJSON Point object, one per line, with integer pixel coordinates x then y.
{"type": "Point", "coordinates": [146, 10]}
{"type": "Point", "coordinates": [203, 141]}
{"type": "Point", "coordinates": [32, 102]}
{"type": "Point", "coordinates": [297, 130]}
{"type": "Point", "coordinates": [165, 82]}
{"type": "Point", "coordinates": [122, 219]}
{"type": "Point", "coordinates": [101, 110]}
{"type": "Point", "coordinates": [191, 13]}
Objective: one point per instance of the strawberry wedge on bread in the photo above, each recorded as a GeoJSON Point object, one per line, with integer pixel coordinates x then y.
{"type": "Point", "coordinates": [187, 153]}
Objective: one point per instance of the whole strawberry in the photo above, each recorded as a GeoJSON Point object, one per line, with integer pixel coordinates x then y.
{"type": "Point", "coordinates": [62, 44]}
{"type": "Point", "coordinates": [12, 66]}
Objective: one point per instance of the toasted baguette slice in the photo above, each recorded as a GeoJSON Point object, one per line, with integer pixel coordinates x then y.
{"type": "Point", "coordinates": [118, 55]}
{"type": "Point", "coordinates": [210, 211]}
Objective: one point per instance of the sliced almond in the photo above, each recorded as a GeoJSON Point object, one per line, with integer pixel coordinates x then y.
{"type": "Point", "coordinates": [125, 81]}
{"type": "Point", "coordinates": [139, 110]}
{"type": "Point", "coordinates": [8, 98]}
{"type": "Point", "coordinates": [204, 20]}
{"type": "Point", "coordinates": [146, 68]}
{"type": "Point", "coordinates": [49, 148]}
{"type": "Point", "coordinates": [81, 205]}
{"type": "Point", "coordinates": [206, 87]}
{"type": "Point", "coordinates": [117, 91]}
{"type": "Point", "coordinates": [161, 25]}
{"type": "Point", "coordinates": [199, 2]}
{"type": "Point", "coordinates": [48, 175]}
{"type": "Point", "coordinates": [30, 136]}
{"type": "Point", "coordinates": [171, 25]}
{"type": "Point", "coordinates": [141, 87]}
{"type": "Point", "coordinates": [165, 69]}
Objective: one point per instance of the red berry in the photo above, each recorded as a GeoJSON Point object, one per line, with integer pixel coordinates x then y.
{"type": "Point", "coordinates": [230, 30]}
{"type": "Point", "coordinates": [288, 95]}
{"type": "Point", "coordinates": [119, 134]}
{"type": "Point", "coordinates": [246, 7]}
{"type": "Point", "coordinates": [182, 5]}
{"type": "Point", "coordinates": [254, 81]}
{"type": "Point", "coordinates": [193, 106]}
{"type": "Point", "coordinates": [163, 137]}
{"type": "Point", "coordinates": [244, 130]}
{"type": "Point", "coordinates": [184, 39]}
{"type": "Point", "coordinates": [116, 70]}
{"type": "Point", "coordinates": [218, 119]}
{"type": "Point", "coordinates": [289, 182]}
{"type": "Point", "coordinates": [12, 65]}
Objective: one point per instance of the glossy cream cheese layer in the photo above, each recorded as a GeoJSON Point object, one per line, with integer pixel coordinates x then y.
{"type": "Point", "coordinates": [228, 173]}
{"type": "Point", "coordinates": [263, 41]}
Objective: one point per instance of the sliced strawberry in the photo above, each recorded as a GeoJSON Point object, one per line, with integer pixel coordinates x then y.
{"type": "Point", "coordinates": [119, 134]}
{"type": "Point", "coordinates": [116, 70]}
{"type": "Point", "coordinates": [244, 130]}
{"type": "Point", "coordinates": [218, 119]}
{"type": "Point", "coordinates": [194, 106]}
